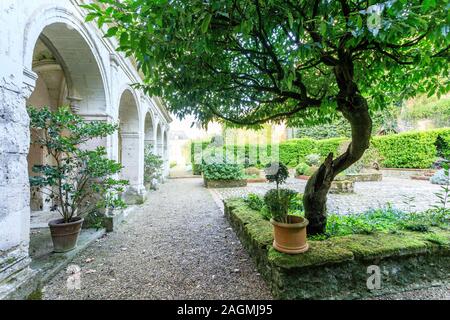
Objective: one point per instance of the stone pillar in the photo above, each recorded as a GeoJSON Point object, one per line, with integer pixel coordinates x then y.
{"type": "Point", "coordinates": [135, 193]}
{"type": "Point", "coordinates": [14, 183]}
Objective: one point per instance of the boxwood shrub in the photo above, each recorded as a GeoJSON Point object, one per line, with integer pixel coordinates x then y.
{"type": "Point", "coordinates": [223, 171]}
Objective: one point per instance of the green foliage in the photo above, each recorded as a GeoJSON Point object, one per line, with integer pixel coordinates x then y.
{"type": "Point", "coordinates": [311, 170]}
{"type": "Point", "coordinates": [253, 61]}
{"type": "Point", "coordinates": [278, 203]}
{"type": "Point", "coordinates": [409, 149]}
{"type": "Point", "coordinates": [75, 180]}
{"type": "Point", "coordinates": [276, 172]}
{"type": "Point", "coordinates": [301, 169]}
{"type": "Point", "coordinates": [254, 201]}
{"type": "Point", "coordinates": [385, 220]}
{"type": "Point", "coordinates": [153, 165]}
{"type": "Point", "coordinates": [404, 150]}
{"type": "Point", "coordinates": [313, 159]}
{"type": "Point", "coordinates": [428, 108]}
{"type": "Point", "coordinates": [223, 171]}
{"type": "Point", "coordinates": [443, 146]}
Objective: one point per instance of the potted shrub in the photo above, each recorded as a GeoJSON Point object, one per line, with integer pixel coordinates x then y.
{"type": "Point", "coordinates": [289, 230]}
{"type": "Point", "coordinates": [153, 168]}
{"type": "Point", "coordinates": [223, 175]}
{"type": "Point", "coordinates": [76, 181]}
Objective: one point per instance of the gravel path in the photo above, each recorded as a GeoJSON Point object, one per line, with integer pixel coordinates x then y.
{"type": "Point", "coordinates": [178, 245]}
{"type": "Point", "coordinates": [405, 194]}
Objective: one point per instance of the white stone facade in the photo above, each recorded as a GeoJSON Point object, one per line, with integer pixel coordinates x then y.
{"type": "Point", "coordinates": [50, 57]}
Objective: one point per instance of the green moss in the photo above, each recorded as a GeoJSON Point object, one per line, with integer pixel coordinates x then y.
{"type": "Point", "coordinates": [320, 253]}
{"type": "Point", "coordinates": [35, 295]}
{"type": "Point", "coordinates": [261, 232]}
{"type": "Point", "coordinates": [382, 245]}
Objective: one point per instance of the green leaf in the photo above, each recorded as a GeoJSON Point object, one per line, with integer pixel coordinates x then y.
{"type": "Point", "coordinates": [205, 23]}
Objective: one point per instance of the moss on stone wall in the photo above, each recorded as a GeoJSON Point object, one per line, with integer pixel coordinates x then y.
{"type": "Point", "coordinates": [337, 267]}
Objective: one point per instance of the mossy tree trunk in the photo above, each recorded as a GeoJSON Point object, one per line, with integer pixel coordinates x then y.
{"type": "Point", "coordinates": [354, 108]}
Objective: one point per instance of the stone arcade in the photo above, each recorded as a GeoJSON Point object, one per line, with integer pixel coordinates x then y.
{"type": "Point", "coordinates": [50, 57]}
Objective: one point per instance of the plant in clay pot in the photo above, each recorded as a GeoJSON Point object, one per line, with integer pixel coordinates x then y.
{"type": "Point", "coordinates": [289, 230]}
{"type": "Point", "coordinates": [75, 180]}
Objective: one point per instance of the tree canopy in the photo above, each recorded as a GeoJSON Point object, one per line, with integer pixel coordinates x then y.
{"type": "Point", "coordinates": [251, 61]}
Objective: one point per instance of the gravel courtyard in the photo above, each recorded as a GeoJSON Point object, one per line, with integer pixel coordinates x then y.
{"type": "Point", "coordinates": [177, 246]}
{"type": "Point", "coordinates": [405, 194]}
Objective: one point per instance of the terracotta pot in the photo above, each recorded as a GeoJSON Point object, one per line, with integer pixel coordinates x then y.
{"type": "Point", "coordinates": [290, 237]}
{"type": "Point", "coordinates": [65, 235]}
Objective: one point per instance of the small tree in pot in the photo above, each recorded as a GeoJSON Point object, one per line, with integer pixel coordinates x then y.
{"type": "Point", "coordinates": [289, 230]}
{"type": "Point", "coordinates": [77, 181]}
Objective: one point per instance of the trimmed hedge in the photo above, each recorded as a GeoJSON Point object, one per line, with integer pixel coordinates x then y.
{"type": "Point", "coordinates": [405, 150]}
{"type": "Point", "coordinates": [409, 149]}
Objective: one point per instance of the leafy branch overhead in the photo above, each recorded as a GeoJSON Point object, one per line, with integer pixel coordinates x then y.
{"type": "Point", "coordinates": [251, 61]}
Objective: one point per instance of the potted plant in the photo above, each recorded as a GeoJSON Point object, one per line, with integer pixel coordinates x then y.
{"type": "Point", "coordinates": [76, 181]}
{"type": "Point", "coordinates": [153, 168]}
{"type": "Point", "coordinates": [289, 230]}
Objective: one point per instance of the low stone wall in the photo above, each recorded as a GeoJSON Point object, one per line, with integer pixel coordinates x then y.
{"type": "Point", "coordinates": [224, 183]}
{"type": "Point", "coordinates": [338, 268]}
{"type": "Point", "coordinates": [405, 173]}
{"type": "Point", "coordinates": [364, 177]}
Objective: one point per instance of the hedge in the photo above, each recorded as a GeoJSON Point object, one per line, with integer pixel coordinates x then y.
{"type": "Point", "coordinates": [404, 150]}
{"type": "Point", "coordinates": [410, 149]}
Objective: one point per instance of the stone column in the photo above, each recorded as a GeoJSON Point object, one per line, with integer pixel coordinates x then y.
{"type": "Point", "coordinates": [135, 193]}
{"type": "Point", "coordinates": [14, 183]}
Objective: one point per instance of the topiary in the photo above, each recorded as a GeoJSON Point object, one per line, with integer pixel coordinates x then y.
{"type": "Point", "coordinates": [301, 169]}
{"type": "Point", "coordinates": [276, 172]}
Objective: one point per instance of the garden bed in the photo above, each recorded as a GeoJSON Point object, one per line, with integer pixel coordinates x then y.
{"type": "Point", "coordinates": [225, 183]}
{"type": "Point", "coordinates": [337, 268]}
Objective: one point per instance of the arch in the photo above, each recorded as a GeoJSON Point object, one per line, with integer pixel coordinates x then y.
{"type": "Point", "coordinates": [159, 140]}
{"type": "Point", "coordinates": [149, 131]}
{"type": "Point", "coordinates": [75, 51]}
{"type": "Point", "coordinates": [129, 146]}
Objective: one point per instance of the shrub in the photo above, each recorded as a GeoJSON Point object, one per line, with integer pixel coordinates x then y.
{"type": "Point", "coordinates": [254, 201]}
{"type": "Point", "coordinates": [153, 165]}
{"type": "Point", "coordinates": [313, 159]}
{"type": "Point", "coordinates": [310, 171]}
{"type": "Point", "coordinates": [222, 171]}
{"type": "Point", "coordinates": [441, 177]}
{"type": "Point", "coordinates": [301, 168]}
{"type": "Point", "coordinates": [278, 202]}
{"type": "Point", "coordinates": [276, 172]}
{"type": "Point", "coordinates": [78, 181]}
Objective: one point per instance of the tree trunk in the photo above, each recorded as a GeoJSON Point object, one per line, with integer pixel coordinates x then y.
{"type": "Point", "coordinates": [354, 108]}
